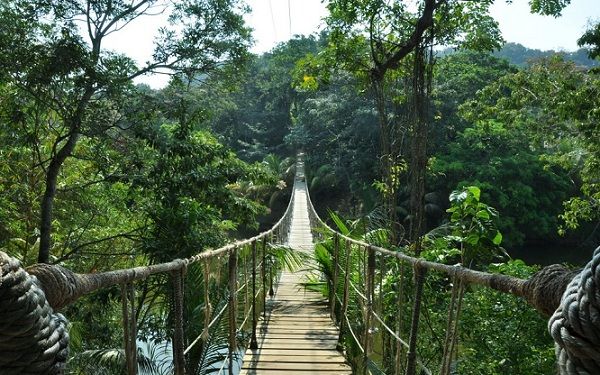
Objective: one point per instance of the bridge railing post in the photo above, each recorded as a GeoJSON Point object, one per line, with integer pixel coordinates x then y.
{"type": "Point", "coordinates": [177, 278]}
{"type": "Point", "coordinates": [129, 327]}
{"type": "Point", "coordinates": [333, 285]}
{"type": "Point", "coordinates": [411, 360]}
{"type": "Point", "coordinates": [344, 308]}
{"type": "Point", "coordinates": [178, 333]}
{"type": "Point", "coordinates": [207, 305]}
{"type": "Point", "coordinates": [264, 276]}
{"type": "Point", "coordinates": [232, 279]}
{"type": "Point", "coordinates": [271, 261]}
{"type": "Point", "coordinates": [253, 341]}
{"type": "Point", "coordinates": [370, 290]}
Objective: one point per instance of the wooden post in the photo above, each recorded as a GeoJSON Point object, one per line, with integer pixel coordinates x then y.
{"type": "Point", "coordinates": [411, 361]}
{"type": "Point", "coordinates": [207, 305]}
{"type": "Point", "coordinates": [370, 290]}
{"type": "Point", "coordinates": [271, 291]}
{"type": "Point", "coordinates": [178, 340]}
{"type": "Point", "coordinates": [232, 278]}
{"type": "Point", "coordinates": [333, 284]}
{"type": "Point", "coordinates": [344, 309]}
{"type": "Point", "coordinates": [399, 317]}
{"type": "Point", "coordinates": [264, 276]}
{"type": "Point", "coordinates": [245, 273]}
{"type": "Point", "coordinates": [129, 327]}
{"type": "Point", "coordinates": [253, 341]}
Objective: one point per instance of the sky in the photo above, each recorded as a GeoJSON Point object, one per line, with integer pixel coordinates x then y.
{"type": "Point", "coordinates": [275, 21]}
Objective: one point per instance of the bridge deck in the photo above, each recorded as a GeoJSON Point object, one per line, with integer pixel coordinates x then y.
{"type": "Point", "coordinates": [298, 336]}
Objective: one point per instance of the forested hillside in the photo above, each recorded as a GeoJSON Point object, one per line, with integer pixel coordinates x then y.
{"type": "Point", "coordinates": [519, 55]}
{"type": "Point", "coordinates": [471, 157]}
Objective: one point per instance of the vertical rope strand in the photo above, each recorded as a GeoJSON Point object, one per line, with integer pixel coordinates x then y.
{"type": "Point", "coordinates": [178, 335]}
{"type": "Point", "coordinates": [207, 304]}
{"type": "Point", "coordinates": [264, 276]}
{"type": "Point", "coordinates": [334, 283]}
{"type": "Point", "coordinates": [447, 354]}
{"type": "Point", "coordinates": [133, 326]}
{"type": "Point", "coordinates": [400, 320]}
{"type": "Point", "coordinates": [344, 308]}
{"type": "Point", "coordinates": [370, 290]}
{"type": "Point", "coordinates": [129, 335]}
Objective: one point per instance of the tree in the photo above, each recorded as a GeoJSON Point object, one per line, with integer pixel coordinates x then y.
{"type": "Point", "coordinates": [591, 40]}
{"type": "Point", "coordinates": [44, 54]}
{"type": "Point", "coordinates": [514, 179]}
{"type": "Point", "coordinates": [555, 104]}
{"type": "Point", "coordinates": [457, 77]}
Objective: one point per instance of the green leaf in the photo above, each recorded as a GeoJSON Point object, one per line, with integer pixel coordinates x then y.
{"type": "Point", "coordinates": [472, 239]}
{"type": "Point", "coordinates": [475, 191]}
{"type": "Point", "coordinates": [497, 238]}
{"type": "Point", "coordinates": [339, 223]}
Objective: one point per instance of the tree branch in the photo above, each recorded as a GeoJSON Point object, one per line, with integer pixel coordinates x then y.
{"type": "Point", "coordinates": [424, 22]}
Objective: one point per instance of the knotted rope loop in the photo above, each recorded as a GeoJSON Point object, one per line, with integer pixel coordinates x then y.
{"type": "Point", "coordinates": [59, 284]}
{"type": "Point", "coordinates": [33, 339]}
{"type": "Point", "coordinates": [545, 288]}
{"type": "Point", "coordinates": [575, 325]}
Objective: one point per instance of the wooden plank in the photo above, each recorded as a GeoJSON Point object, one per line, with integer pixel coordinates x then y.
{"type": "Point", "coordinates": [296, 335]}
{"type": "Point", "coordinates": [294, 358]}
{"type": "Point", "coordinates": [300, 316]}
{"type": "Point", "coordinates": [294, 372]}
{"type": "Point", "coordinates": [306, 326]}
{"type": "Point", "coordinates": [312, 318]}
{"type": "Point", "coordinates": [294, 352]}
{"type": "Point", "coordinates": [304, 366]}
{"type": "Point", "coordinates": [298, 342]}
{"type": "Point", "coordinates": [288, 345]}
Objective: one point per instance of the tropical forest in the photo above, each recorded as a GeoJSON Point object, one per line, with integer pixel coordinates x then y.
{"type": "Point", "coordinates": [445, 183]}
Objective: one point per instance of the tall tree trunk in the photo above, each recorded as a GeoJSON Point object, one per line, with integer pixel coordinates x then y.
{"type": "Point", "coordinates": [73, 123]}
{"type": "Point", "coordinates": [47, 204]}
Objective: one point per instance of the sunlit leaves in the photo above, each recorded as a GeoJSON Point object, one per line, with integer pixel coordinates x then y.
{"type": "Point", "coordinates": [591, 40]}
{"type": "Point", "coordinates": [548, 7]}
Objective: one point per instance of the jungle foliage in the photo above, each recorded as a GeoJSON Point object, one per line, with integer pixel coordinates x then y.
{"type": "Point", "coordinates": [97, 173]}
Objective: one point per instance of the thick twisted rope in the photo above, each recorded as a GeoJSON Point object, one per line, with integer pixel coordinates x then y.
{"type": "Point", "coordinates": [575, 325]}
{"type": "Point", "coordinates": [33, 339]}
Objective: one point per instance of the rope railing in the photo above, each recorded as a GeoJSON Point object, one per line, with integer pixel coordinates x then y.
{"type": "Point", "coordinates": [30, 298]}
{"type": "Point", "coordinates": [575, 322]}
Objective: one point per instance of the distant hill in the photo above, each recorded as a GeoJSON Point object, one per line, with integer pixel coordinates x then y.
{"type": "Point", "coordinates": [520, 55]}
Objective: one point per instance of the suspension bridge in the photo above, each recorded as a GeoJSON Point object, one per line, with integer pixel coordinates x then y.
{"type": "Point", "coordinates": [276, 324]}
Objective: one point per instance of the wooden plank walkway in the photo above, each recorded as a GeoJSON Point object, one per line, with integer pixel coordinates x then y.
{"type": "Point", "coordinates": [298, 336]}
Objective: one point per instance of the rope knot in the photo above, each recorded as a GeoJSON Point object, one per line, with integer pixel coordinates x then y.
{"type": "Point", "coordinates": [545, 288]}
{"type": "Point", "coordinates": [33, 339]}
{"type": "Point", "coordinates": [59, 284]}
{"type": "Point", "coordinates": [575, 325]}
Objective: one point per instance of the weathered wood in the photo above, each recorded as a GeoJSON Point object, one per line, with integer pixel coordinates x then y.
{"type": "Point", "coordinates": [297, 335]}
{"type": "Point", "coordinates": [250, 360]}
{"type": "Point", "coordinates": [294, 372]}
{"type": "Point", "coordinates": [288, 366]}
